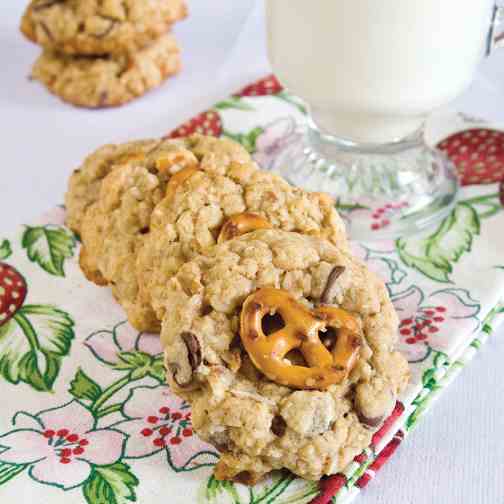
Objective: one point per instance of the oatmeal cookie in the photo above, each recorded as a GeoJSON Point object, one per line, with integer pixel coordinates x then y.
{"type": "Point", "coordinates": [142, 228]}
{"type": "Point", "coordinates": [224, 183]}
{"type": "Point", "coordinates": [215, 360]}
{"type": "Point", "coordinates": [130, 180]}
{"type": "Point", "coordinates": [108, 81]}
{"type": "Point", "coordinates": [97, 27]}
{"type": "Point", "coordinates": [85, 182]}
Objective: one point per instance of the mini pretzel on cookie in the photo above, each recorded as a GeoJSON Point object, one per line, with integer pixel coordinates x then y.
{"type": "Point", "coordinates": [325, 366]}
{"type": "Point", "coordinates": [179, 178]}
{"type": "Point", "coordinates": [240, 224]}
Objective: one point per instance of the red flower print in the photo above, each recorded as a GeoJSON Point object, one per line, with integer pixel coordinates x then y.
{"type": "Point", "coordinates": [157, 420]}
{"type": "Point", "coordinates": [62, 445]}
{"type": "Point", "coordinates": [429, 322]}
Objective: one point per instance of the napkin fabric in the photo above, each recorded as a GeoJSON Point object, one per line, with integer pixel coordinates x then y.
{"type": "Point", "coordinates": [85, 413]}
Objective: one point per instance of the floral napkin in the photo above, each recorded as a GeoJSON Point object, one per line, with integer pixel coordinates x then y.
{"type": "Point", "coordinates": [85, 414]}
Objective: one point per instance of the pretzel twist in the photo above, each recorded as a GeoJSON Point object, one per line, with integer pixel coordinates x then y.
{"type": "Point", "coordinates": [240, 224]}
{"type": "Point", "coordinates": [178, 179]}
{"type": "Point", "coordinates": [302, 330]}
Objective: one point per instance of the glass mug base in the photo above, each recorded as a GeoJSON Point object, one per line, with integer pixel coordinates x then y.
{"type": "Point", "coordinates": [382, 191]}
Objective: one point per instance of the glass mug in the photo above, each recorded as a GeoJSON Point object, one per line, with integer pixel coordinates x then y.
{"type": "Point", "coordinates": [371, 72]}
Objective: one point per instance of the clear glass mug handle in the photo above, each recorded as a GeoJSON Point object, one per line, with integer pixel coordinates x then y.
{"type": "Point", "coordinates": [496, 35]}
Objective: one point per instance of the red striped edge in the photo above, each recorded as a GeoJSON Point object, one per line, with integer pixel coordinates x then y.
{"type": "Point", "coordinates": [329, 487]}
{"type": "Point", "coordinates": [383, 457]}
{"type": "Point", "coordinates": [389, 422]}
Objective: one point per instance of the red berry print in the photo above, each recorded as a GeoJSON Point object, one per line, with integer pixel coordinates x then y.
{"type": "Point", "coordinates": [49, 434]}
{"type": "Point", "coordinates": [176, 416]}
{"type": "Point", "coordinates": [164, 410]}
{"type": "Point", "coordinates": [417, 329]}
{"type": "Point", "coordinates": [78, 451]}
{"type": "Point", "coordinates": [501, 192]}
{"type": "Point", "coordinates": [478, 155]}
{"type": "Point", "coordinates": [65, 460]}
{"type": "Point", "coordinates": [146, 432]}
{"type": "Point", "coordinates": [63, 433]}
{"type": "Point", "coordinates": [13, 292]}
{"type": "Point", "coordinates": [72, 438]}
{"type": "Point", "coordinates": [164, 431]}
{"type": "Point", "coordinates": [83, 442]}
{"type": "Point", "coordinates": [207, 123]}
{"type": "Point", "coordinates": [66, 452]}
{"type": "Point", "coordinates": [175, 440]}
{"type": "Point", "coordinates": [187, 432]}
{"type": "Point", "coordinates": [381, 216]}
{"type": "Point", "coordinates": [264, 87]}
{"type": "Point", "coordinates": [160, 442]}
{"type": "Point", "coordinates": [152, 419]}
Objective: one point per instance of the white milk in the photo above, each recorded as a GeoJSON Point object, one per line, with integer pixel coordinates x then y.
{"type": "Point", "coordinates": [372, 70]}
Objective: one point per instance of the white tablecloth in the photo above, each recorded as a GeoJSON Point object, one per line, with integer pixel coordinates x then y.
{"type": "Point", "coordinates": [459, 459]}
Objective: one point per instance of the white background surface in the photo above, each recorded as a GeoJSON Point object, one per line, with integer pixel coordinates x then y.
{"type": "Point", "coordinates": [457, 453]}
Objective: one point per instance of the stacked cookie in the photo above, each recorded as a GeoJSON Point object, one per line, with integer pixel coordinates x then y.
{"type": "Point", "coordinates": [260, 304]}
{"type": "Point", "coordinates": [103, 53]}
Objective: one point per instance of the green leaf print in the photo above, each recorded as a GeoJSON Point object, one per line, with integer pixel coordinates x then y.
{"type": "Point", "coordinates": [234, 103]}
{"type": "Point", "coordinates": [216, 488]}
{"type": "Point", "coordinates": [433, 256]}
{"type": "Point", "coordinates": [5, 249]}
{"type": "Point", "coordinates": [114, 484]}
{"type": "Point", "coordinates": [9, 471]}
{"type": "Point", "coordinates": [83, 387]}
{"type": "Point", "coordinates": [140, 365]}
{"type": "Point", "coordinates": [157, 369]}
{"type": "Point", "coordinates": [49, 246]}
{"type": "Point", "coordinates": [279, 489]}
{"type": "Point", "coordinates": [428, 377]}
{"type": "Point", "coordinates": [32, 345]}
{"type": "Point", "coordinates": [292, 100]}
{"type": "Point", "coordinates": [247, 140]}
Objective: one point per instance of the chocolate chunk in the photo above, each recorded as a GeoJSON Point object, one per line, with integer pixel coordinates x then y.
{"type": "Point", "coordinates": [193, 356]}
{"type": "Point", "coordinates": [206, 309]}
{"type": "Point", "coordinates": [336, 272]}
{"type": "Point", "coordinates": [278, 426]}
{"type": "Point", "coordinates": [370, 422]}
{"type": "Point", "coordinates": [246, 478]}
{"type": "Point", "coordinates": [193, 349]}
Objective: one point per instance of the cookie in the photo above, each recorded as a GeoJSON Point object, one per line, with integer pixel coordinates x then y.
{"type": "Point", "coordinates": [278, 403]}
{"type": "Point", "coordinates": [155, 213]}
{"type": "Point", "coordinates": [95, 27]}
{"type": "Point", "coordinates": [114, 226]}
{"type": "Point", "coordinates": [225, 183]}
{"type": "Point", "coordinates": [85, 182]}
{"type": "Point", "coordinates": [108, 81]}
